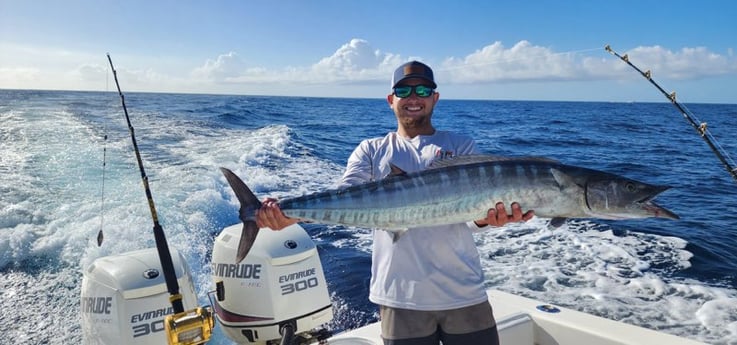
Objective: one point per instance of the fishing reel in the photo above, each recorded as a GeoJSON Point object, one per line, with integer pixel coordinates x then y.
{"type": "Point", "coordinates": [189, 327]}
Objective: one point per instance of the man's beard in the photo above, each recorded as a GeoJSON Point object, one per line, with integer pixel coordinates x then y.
{"type": "Point", "coordinates": [416, 122]}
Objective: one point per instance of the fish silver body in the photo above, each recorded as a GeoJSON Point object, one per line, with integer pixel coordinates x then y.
{"type": "Point", "coordinates": [464, 188]}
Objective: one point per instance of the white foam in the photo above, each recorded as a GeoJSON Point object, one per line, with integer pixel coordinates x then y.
{"type": "Point", "coordinates": [588, 268]}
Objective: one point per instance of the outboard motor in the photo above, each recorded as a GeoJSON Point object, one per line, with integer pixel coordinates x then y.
{"type": "Point", "coordinates": [125, 300]}
{"type": "Point", "coordinates": [279, 289]}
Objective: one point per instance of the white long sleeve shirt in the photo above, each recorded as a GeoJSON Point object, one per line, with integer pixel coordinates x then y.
{"type": "Point", "coordinates": [428, 268]}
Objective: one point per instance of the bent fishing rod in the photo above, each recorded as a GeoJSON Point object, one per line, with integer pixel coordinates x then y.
{"type": "Point", "coordinates": [161, 245]}
{"type": "Point", "coordinates": [699, 126]}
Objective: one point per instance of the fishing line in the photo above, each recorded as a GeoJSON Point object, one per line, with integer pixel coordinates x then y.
{"type": "Point", "coordinates": [700, 127]}
{"type": "Point", "coordinates": [100, 236]}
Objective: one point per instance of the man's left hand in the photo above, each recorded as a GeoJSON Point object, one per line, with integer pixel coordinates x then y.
{"type": "Point", "coordinates": [497, 216]}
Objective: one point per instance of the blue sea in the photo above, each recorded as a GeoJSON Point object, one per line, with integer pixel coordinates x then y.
{"type": "Point", "coordinates": [67, 170]}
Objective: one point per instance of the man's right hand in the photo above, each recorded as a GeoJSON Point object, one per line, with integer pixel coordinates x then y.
{"type": "Point", "coordinates": [271, 216]}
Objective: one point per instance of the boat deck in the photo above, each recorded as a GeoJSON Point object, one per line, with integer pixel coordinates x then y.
{"type": "Point", "coordinates": [521, 322]}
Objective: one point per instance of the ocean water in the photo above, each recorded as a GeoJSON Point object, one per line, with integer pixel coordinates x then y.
{"type": "Point", "coordinates": [679, 277]}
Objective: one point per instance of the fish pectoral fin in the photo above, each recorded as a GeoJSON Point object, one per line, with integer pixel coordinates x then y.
{"type": "Point", "coordinates": [396, 234]}
{"type": "Point", "coordinates": [564, 180]}
{"type": "Point", "coordinates": [395, 237]}
{"type": "Point", "coordinates": [557, 222]}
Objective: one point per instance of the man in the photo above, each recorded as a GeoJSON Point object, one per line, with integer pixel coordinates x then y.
{"type": "Point", "coordinates": [429, 283]}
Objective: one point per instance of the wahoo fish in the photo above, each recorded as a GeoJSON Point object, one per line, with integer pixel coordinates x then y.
{"type": "Point", "coordinates": [462, 189]}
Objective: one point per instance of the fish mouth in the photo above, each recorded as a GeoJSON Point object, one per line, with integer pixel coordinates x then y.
{"type": "Point", "coordinates": [658, 211]}
{"type": "Point", "coordinates": [654, 209]}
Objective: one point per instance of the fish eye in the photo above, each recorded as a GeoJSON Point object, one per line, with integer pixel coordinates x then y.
{"type": "Point", "coordinates": [630, 187]}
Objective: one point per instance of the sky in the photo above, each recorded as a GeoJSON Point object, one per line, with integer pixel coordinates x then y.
{"type": "Point", "coordinates": [499, 50]}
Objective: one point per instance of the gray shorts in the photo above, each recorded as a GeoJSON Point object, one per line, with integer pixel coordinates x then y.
{"type": "Point", "coordinates": [469, 325]}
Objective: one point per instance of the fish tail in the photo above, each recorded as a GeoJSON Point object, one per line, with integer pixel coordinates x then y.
{"type": "Point", "coordinates": [248, 236]}
{"type": "Point", "coordinates": [247, 213]}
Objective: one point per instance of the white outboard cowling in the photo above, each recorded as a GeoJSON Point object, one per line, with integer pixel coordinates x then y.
{"type": "Point", "coordinates": [125, 299]}
{"type": "Point", "coordinates": [280, 283]}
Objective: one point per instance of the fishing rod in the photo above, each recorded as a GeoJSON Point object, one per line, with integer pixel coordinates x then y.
{"type": "Point", "coordinates": [699, 126]}
{"type": "Point", "coordinates": [183, 327]}
{"type": "Point", "coordinates": [161, 245]}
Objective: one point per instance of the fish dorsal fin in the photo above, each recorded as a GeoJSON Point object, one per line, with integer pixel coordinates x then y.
{"type": "Point", "coordinates": [470, 159]}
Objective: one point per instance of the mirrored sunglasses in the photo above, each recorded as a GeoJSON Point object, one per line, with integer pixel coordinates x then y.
{"type": "Point", "coordinates": [420, 91]}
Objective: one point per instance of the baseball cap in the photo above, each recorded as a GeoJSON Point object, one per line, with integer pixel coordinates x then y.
{"type": "Point", "coordinates": [413, 69]}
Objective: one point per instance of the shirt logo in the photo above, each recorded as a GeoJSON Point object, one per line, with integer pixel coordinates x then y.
{"type": "Point", "coordinates": [440, 154]}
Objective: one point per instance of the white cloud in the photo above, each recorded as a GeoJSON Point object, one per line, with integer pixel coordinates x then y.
{"type": "Point", "coordinates": [521, 62]}
{"type": "Point", "coordinates": [688, 63]}
{"type": "Point", "coordinates": [357, 64]}
{"type": "Point", "coordinates": [223, 68]}
{"type": "Point", "coordinates": [352, 56]}
{"type": "Point", "coordinates": [524, 62]}
{"type": "Point", "coordinates": [30, 67]}
{"type": "Point", "coordinates": [356, 60]}
{"type": "Point", "coordinates": [91, 72]}
{"type": "Point", "coordinates": [19, 77]}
